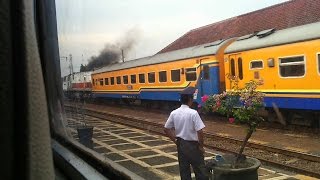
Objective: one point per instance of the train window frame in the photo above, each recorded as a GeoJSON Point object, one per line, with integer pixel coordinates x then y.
{"type": "Point", "coordinates": [292, 63]}
{"type": "Point", "coordinates": [258, 68]}
{"type": "Point", "coordinates": [205, 72]}
{"type": "Point", "coordinates": [186, 73]}
{"type": "Point", "coordinates": [118, 80]}
{"type": "Point", "coordinates": [178, 73]}
{"type": "Point", "coordinates": [144, 78]}
{"type": "Point", "coordinates": [232, 70]}
{"type": "Point", "coordinates": [101, 81]}
{"type": "Point", "coordinates": [127, 79]}
{"type": "Point", "coordinates": [240, 68]}
{"type": "Point", "coordinates": [318, 62]}
{"type": "Point", "coordinates": [135, 77]}
{"type": "Point", "coordinates": [93, 82]}
{"type": "Point", "coordinates": [112, 81]}
{"type": "Point", "coordinates": [166, 77]}
{"type": "Point", "coordinates": [153, 72]}
{"type": "Point", "coordinates": [106, 81]}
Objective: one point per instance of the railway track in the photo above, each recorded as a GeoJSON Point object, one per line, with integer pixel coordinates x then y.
{"type": "Point", "coordinates": [266, 154]}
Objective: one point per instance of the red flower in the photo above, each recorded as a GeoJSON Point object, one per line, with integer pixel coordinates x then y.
{"type": "Point", "coordinates": [218, 104]}
{"type": "Point", "coordinates": [231, 120]}
{"type": "Point", "coordinates": [204, 98]}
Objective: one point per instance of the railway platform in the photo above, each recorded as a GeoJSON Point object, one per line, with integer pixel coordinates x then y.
{"type": "Point", "coordinates": [302, 142]}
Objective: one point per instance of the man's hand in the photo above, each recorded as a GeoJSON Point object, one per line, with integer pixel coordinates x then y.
{"type": "Point", "coordinates": [201, 148]}
{"type": "Point", "coordinates": [171, 134]}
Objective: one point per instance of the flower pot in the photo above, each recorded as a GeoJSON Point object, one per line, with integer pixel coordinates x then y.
{"type": "Point", "coordinates": [85, 134]}
{"type": "Point", "coordinates": [250, 172]}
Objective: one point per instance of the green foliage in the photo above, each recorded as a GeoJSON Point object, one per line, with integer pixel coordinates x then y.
{"type": "Point", "coordinates": [242, 104]}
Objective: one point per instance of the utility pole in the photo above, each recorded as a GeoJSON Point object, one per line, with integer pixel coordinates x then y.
{"type": "Point", "coordinates": [70, 64]}
{"type": "Point", "coordinates": [122, 55]}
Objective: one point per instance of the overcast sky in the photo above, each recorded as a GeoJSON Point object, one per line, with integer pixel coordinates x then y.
{"type": "Point", "coordinates": [85, 26]}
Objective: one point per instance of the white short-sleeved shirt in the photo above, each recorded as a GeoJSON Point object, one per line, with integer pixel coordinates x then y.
{"type": "Point", "coordinates": [186, 122]}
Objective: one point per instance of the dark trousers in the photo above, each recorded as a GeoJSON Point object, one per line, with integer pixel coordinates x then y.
{"type": "Point", "coordinates": [190, 154]}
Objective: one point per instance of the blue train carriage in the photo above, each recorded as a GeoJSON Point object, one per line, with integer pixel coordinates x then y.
{"type": "Point", "coordinates": [288, 61]}
{"type": "Point", "coordinates": [160, 78]}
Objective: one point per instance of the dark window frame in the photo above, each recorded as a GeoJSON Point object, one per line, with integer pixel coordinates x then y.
{"type": "Point", "coordinates": [127, 80]}
{"type": "Point", "coordinates": [289, 62]}
{"type": "Point", "coordinates": [154, 78]}
{"type": "Point", "coordinates": [160, 77]}
{"type": "Point", "coordinates": [112, 81]}
{"type": "Point", "coordinates": [135, 78]}
{"type": "Point", "coordinates": [106, 81]}
{"type": "Point", "coordinates": [256, 61]}
{"type": "Point", "coordinates": [188, 72]}
{"type": "Point", "coordinates": [118, 79]}
{"type": "Point", "coordinates": [178, 73]}
{"type": "Point", "coordinates": [144, 78]}
{"type": "Point", "coordinates": [240, 68]}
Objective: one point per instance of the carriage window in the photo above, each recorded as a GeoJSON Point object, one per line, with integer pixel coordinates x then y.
{"type": "Point", "coordinates": [118, 79]}
{"type": "Point", "coordinates": [240, 69]}
{"type": "Point", "coordinates": [141, 78]}
{"type": "Point", "coordinates": [191, 74]}
{"type": "Point", "coordinates": [125, 79]}
{"type": "Point", "coordinates": [101, 82]}
{"type": "Point", "coordinates": [84, 78]}
{"type": "Point", "coordinates": [106, 81]}
{"type": "Point", "coordinates": [175, 75]}
{"type": "Point", "coordinates": [112, 80]}
{"type": "Point", "coordinates": [256, 64]}
{"type": "Point", "coordinates": [232, 68]}
{"type": "Point", "coordinates": [96, 82]}
{"type": "Point", "coordinates": [163, 76]}
{"type": "Point", "coordinates": [151, 77]}
{"type": "Point", "coordinates": [292, 66]}
{"type": "Point", "coordinates": [92, 81]}
{"type": "Point", "coordinates": [206, 72]}
{"type": "Point", "coordinates": [133, 79]}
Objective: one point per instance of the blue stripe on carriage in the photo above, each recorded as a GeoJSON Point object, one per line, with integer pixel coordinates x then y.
{"type": "Point", "coordinates": [293, 103]}
{"type": "Point", "coordinates": [148, 95]}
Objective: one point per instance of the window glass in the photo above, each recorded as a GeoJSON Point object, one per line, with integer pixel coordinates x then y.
{"type": "Point", "coordinates": [256, 65]}
{"type": "Point", "coordinates": [101, 82]}
{"type": "Point", "coordinates": [175, 75]}
{"type": "Point", "coordinates": [206, 72]}
{"type": "Point", "coordinates": [151, 77]}
{"type": "Point", "coordinates": [118, 79]}
{"type": "Point", "coordinates": [163, 76]}
{"type": "Point", "coordinates": [84, 78]}
{"type": "Point", "coordinates": [112, 80]}
{"type": "Point", "coordinates": [240, 69]}
{"type": "Point", "coordinates": [106, 81]}
{"type": "Point", "coordinates": [292, 66]}
{"type": "Point", "coordinates": [133, 79]}
{"type": "Point", "coordinates": [142, 78]}
{"type": "Point", "coordinates": [125, 79]}
{"type": "Point", "coordinates": [232, 68]}
{"type": "Point", "coordinates": [191, 74]}
{"type": "Point", "coordinates": [93, 82]}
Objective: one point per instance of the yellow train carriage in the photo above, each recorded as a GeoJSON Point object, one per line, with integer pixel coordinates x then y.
{"type": "Point", "coordinates": [163, 76]}
{"type": "Point", "coordinates": [286, 60]}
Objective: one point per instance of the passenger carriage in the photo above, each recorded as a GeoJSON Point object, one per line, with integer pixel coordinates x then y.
{"type": "Point", "coordinates": [288, 61]}
{"type": "Point", "coordinates": [160, 78]}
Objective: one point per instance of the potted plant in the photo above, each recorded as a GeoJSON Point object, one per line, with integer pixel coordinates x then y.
{"type": "Point", "coordinates": [242, 106]}
{"type": "Point", "coordinates": [85, 132]}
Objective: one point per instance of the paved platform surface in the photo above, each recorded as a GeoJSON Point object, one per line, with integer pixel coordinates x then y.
{"type": "Point", "coordinates": [148, 155]}
{"type": "Point", "coordinates": [301, 142]}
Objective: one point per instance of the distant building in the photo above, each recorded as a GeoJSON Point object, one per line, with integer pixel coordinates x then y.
{"type": "Point", "coordinates": [280, 16]}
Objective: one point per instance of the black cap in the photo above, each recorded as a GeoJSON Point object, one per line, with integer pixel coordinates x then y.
{"type": "Point", "coordinates": [188, 91]}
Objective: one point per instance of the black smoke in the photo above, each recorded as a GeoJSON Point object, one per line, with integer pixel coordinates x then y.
{"type": "Point", "coordinates": [112, 53]}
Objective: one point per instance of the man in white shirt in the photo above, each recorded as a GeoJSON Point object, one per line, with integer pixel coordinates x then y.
{"type": "Point", "coordinates": [184, 127]}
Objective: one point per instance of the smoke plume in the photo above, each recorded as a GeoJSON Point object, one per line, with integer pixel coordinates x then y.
{"type": "Point", "coordinates": [112, 53]}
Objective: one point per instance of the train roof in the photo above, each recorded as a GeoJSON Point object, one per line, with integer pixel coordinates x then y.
{"type": "Point", "coordinates": [271, 37]}
{"type": "Point", "coordinates": [191, 52]}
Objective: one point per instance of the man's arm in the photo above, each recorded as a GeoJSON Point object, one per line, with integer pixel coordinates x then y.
{"type": "Point", "coordinates": [201, 141]}
{"type": "Point", "coordinates": [171, 134]}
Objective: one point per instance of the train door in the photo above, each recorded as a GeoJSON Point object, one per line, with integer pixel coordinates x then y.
{"type": "Point", "coordinates": [236, 66]}
{"type": "Point", "coordinates": [209, 80]}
